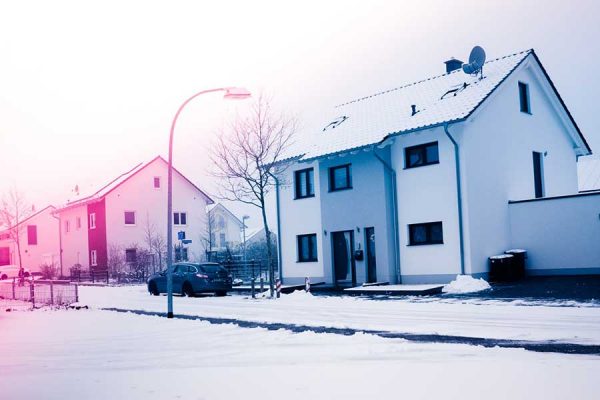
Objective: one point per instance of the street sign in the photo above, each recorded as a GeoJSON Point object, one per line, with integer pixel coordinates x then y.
{"type": "Point", "coordinates": [186, 241]}
{"type": "Point", "coordinates": [181, 235]}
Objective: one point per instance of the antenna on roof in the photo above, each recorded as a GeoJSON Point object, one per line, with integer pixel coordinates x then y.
{"type": "Point", "coordinates": [476, 61]}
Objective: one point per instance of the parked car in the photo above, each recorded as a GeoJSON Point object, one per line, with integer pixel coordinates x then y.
{"type": "Point", "coordinates": [192, 278]}
{"type": "Point", "coordinates": [12, 271]}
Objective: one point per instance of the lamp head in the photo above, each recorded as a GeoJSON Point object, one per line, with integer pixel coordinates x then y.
{"type": "Point", "coordinates": [236, 93]}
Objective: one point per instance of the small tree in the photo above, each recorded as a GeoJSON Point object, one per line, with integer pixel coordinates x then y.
{"type": "Point", "coordinates": [13, 210]}
{"type": "Point", "coordinates": [155, 242]}
{"type": "Point", "coordinates": [245, 159]}
{"type": "Point", "coordinates": [116, 260]}
{"type": "Point", "coordinates": [207, 237]}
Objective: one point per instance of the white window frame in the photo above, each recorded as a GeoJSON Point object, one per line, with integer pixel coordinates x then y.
{"type": "Point", "coordinates": [159, 183]}
{"type": "Point", "coordinates": [134, 218]}
{"type": "Point", "coordinates": [92, 220]}
{"type": "Point", "coordinates": [94, 258]}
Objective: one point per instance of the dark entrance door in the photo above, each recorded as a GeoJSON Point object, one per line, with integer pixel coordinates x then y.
{"type": "Point", "coordinates": [4, 256]}
{"type": "Point", "coordinates": [343, 262]}
{"type": "Point", "coordinates": [371, 261]}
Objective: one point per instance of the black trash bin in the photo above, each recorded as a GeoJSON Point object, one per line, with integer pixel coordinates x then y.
{"type": "Point", "coordinates": [520, 256]}
{"type": "Point", "coordinates": [501, 268]}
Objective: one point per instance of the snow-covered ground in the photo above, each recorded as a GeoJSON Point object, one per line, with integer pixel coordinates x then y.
{"type": "Point", "coordinates": [91, 354]}
{"type": "Point", "coordinates": [495, 320]}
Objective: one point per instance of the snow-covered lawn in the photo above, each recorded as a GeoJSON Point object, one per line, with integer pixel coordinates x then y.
{"type": "Point", "coordinates": [488, 320]}
{"type": "Point", "coordinates": [91, 354]}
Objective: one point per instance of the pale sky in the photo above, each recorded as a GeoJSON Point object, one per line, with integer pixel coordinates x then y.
{"type": "Point", "coordinates": [88, 89]}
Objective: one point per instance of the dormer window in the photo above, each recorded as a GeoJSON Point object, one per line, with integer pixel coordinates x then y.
{"type": "Point", "coordinates": [524, 98]}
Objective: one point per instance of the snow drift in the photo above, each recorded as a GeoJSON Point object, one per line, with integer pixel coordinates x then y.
{"type": "Point", "coordinates": [466, 284]}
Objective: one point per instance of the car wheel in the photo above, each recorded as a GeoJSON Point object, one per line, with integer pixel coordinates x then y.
{"type": "Point", "coordinates": [3, 277]}
{"type": "Point", "coordinates": [221, 293]}
{"type": "Point", "coordinates": [153, 289]}
{"type": "Point", "coordinates": [188, 290]}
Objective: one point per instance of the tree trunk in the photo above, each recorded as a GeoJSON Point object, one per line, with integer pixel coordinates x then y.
{"type": "Point", "coordinates": [18, 242]}
{"type": "Point", "coordinates": [269, 255]}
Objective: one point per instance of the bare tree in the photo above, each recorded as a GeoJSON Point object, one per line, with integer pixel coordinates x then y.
{"type": "Point", "coordinates": [116, 260]}
{"type": "Point", "coordinates": [13, 210]}
{"type": "Point", "coordinates": [245, 158]}
{"type": "Point", "coordinates": [155, 241]}
{"type": "Point", "coordinates": [207, 238]}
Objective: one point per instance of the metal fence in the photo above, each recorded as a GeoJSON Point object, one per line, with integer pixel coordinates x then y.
{"type": "Point", "coordinates": [37, 293]}
{"type": "Point", "coordinates": [244, 271]}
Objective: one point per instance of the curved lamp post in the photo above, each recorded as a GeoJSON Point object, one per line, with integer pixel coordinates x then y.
{"type": "Point", "coordinates": [231, 93]}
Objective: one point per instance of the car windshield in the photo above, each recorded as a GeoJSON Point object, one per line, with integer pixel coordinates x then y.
{"type": "Point", "coordinates": [212, 268]}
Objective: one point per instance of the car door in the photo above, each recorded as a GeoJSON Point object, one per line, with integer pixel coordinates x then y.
{"type": "Point", "coordinates": [179, 276]}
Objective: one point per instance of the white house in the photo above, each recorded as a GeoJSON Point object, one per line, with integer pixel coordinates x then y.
{"type": "Point", "coordinates": [119, 215]}
{"type": "Point", "coordinates": [38, 239]}
{"type": "Point", "coordinates": [413, 184]}
{"type": "Point", "coordinates": [225, 228]}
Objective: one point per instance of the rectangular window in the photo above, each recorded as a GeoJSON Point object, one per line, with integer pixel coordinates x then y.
{"type": "Point", "coordinates": [32, 234]}
{"type": "Point", "coordinates": [92, 220]}
{"type": "Point", "coordinates": [304, 183]}
{"type": "Point", "coordinates": [307, 248]}
{"type": "Point", "coordinates": [524, 97]}
{"type": "Point", "coordinates": [78, 223]}
{"type": "Point", "coordinates": [222, 240]}
{"type": "Point", "coordinates": [67, 226]}
{"type": "Point", "coordinates": [538, 174]}
{"type": "Point", "coordinates": [428, 233]}
{"type": "Point", "coordinates": [157, 182]}
{"type": "Point", "coordinates": [421, 155]}
{"type": "Point", "coordinates": [93, 258]}
{"type": "Point", "coordinates": [179, 218]}
{"type": "Point", "coordinates": [130, 255]}
{"type": "Point", "coordinates": [129, 217]}
{"type": "Point", "coordinates": [340, 178]}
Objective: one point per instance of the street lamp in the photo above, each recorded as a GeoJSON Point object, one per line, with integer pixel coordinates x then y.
{"type": "Point", "coordinates": [231, 93]}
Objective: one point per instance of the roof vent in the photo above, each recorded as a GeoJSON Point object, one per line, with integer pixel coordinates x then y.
{"type": "Point", "coordinates": [413, 109]}
{"type": "Point", "coordinates": [452, 65]}
{"type": "Point", "coordinates": [336, 122]}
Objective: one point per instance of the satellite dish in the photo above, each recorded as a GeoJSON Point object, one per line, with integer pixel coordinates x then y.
{"type": "Point", "coordinates": [476, 61]}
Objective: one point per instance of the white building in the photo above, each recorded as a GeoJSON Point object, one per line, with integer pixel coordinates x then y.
{"type": "Point", "coordinates": [225, 228]}
{"type": "Point", "coordinates": [119, 215]}
{"type": "Point", "coordinates": [418, 178]}
{"type": "Point", "coordinates": [38, 239]}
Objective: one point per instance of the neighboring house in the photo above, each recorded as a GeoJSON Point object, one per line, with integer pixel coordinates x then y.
{"type": "Point", "coordinates": [418, 178]}
{"type": "Point", "coordinates": [119, 215]}
{"type": "Point", "coordinates": [38, 240]}
{"type": "Point", "coordinates": [224, 228]}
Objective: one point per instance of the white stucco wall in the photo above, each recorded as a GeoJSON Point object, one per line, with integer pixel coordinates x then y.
{"type": "Point", "coordinates": [427, 194]}
{"type": "Point", "coordinates": [496, 158]}
{"type": "Point", "coordinates": [150, 204]}
{"type": "Point", "coordinates": [46, 251]}
{"type": "Point", "coordinates": [561, 235]}
{"type": "Point", "coordinates": [231, 227]}
{"type": "Point", "coordinates": [75, 242]}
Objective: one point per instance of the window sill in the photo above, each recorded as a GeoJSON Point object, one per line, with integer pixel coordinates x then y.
{"type": "Point", "coordinates": [422, 165]}
{"type": "Point", "coordinates": [303, 197]}
{"type": "Point", "coordinates": [340, 189]}
{"type": "Point", "coordinates": [424, 244]}
{"type": "Point", "coordinates": [307, 261]}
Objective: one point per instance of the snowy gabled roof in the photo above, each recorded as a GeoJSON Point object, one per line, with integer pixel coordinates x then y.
{"type": "Point", "coordinates": [446, 98]}
{"type": "Point", "coordinates": [211, 207]}
{"type": "Point", "coordinates": [119, 180]}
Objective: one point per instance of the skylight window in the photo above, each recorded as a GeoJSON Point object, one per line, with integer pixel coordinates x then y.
{"type": "Point", "coordinates": [454, 90]}
{"type": "Point", "coordinates": [335, 123]}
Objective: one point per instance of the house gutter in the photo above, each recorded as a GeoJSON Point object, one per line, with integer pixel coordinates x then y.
{"type": "Point", "coordinates": [458, 198]}
{"type": "Point", "coordinates": [392, 171]}
{"type": "Point", "coordinates": [60, 248]}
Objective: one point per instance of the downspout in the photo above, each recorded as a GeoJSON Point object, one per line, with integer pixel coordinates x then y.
{"type": "Point", "coordinates": [458, 199]}
{"type": "Point", "coordinates": [279, 266]}
{"type": "Point", "coordinates": [395, 215]}
{"type": "Point", "coordinates": [60, 249]}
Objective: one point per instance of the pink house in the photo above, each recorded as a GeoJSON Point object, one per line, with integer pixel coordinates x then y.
{"type": "Point", "coordinates": [119, 216]}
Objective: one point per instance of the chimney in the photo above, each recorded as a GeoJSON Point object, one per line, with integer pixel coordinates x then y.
{"type": "Point", "coordinates": [452, 64]}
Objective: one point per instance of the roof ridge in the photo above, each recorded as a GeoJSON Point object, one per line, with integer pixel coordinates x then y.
{"type": "Point", "coordinates": [425, 80]}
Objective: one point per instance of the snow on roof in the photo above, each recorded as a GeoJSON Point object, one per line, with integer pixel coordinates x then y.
{"type": "Point", "coordinates": [438, 100]}
{"type": "Point", "coordinates": [109, 187]}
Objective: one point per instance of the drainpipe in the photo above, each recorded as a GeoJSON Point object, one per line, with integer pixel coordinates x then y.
{"type": "Point", "coordinates": [60, 249]}
{"type": "Point", "coordinates": [279, 266]}
{"type": "Point", "coordinates": [395, 215]}
{"type": "Point", "coordinates": [458, 199]}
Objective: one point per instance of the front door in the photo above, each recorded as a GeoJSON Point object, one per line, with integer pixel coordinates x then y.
{"type": "Point", "coordinates": [343, 262]}
{"type": "Point", "coordinates": [371, 261]}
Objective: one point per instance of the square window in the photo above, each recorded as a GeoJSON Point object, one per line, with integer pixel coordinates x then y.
{"type": "Point", "coordinates": [129, 217]}
{"type": "Point", "coordinates": [340, 178]}
{"type": "Point", "coordinates": [524, 98]}
{"type": "Point", "coordinates": [307, 248]}
{"type": "Point", "coordinates": [130, 255]}
{"type": "Point", "coordinates": [93, 258]}
{"type": "Point", "coordinates": [421, 155]}
{"type": "Point", "coordinates": [32, 234]}
{"type": "Point", "coordinates": [427, 233]}
{"type": "Point", "coordinates": [304, 183]}
{"type": "Point", "coordinates": [157, 182]}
